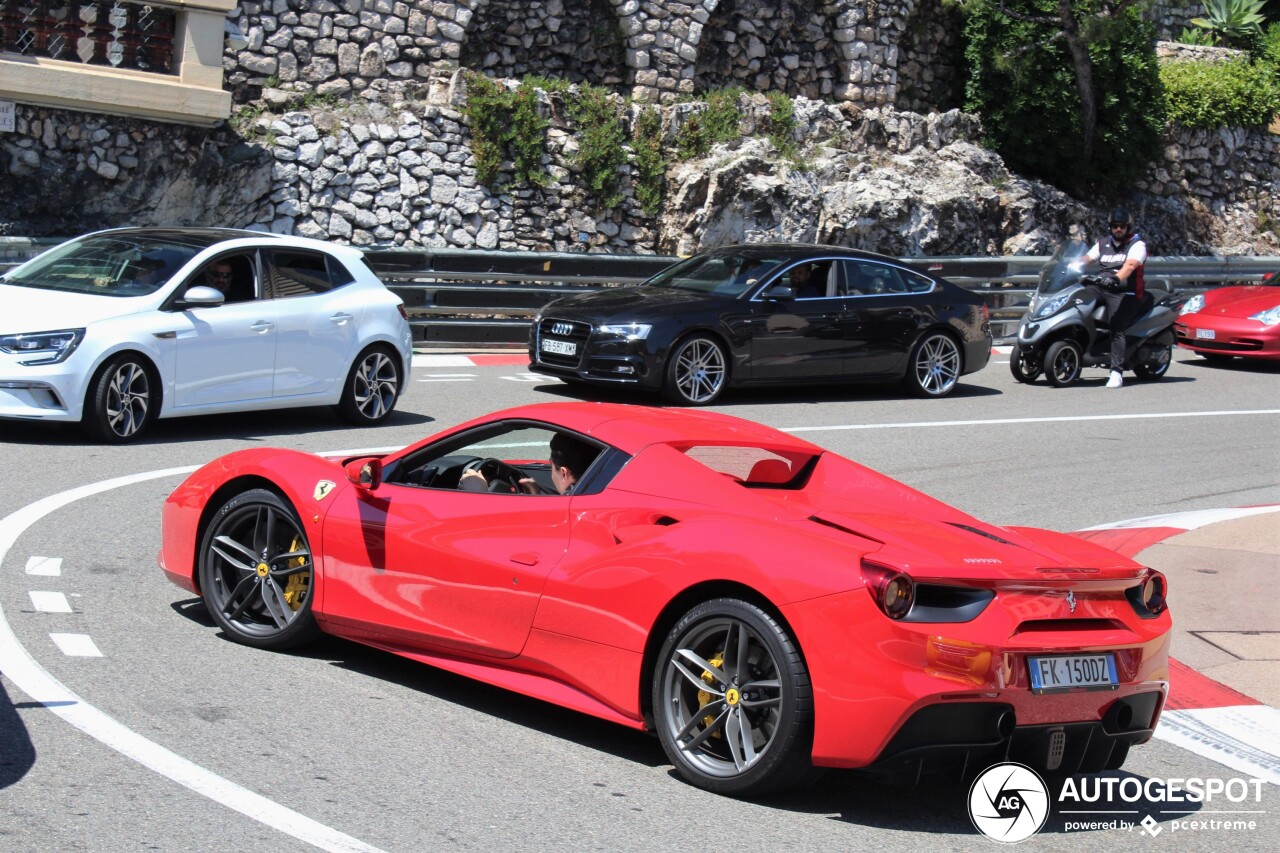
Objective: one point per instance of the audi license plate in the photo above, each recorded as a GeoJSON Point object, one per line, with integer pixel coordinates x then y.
{"type": "Point", "coordinates": [1205, 334]}
{"type": "Point", "coordinates": [1068, 671]}
{"type": "Point", "coordinates": [559, 347]}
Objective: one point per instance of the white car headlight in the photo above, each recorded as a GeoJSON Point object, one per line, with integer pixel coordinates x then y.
{"type": "Point", "coordinates": [42, 347]}
{"type": "Point", "coordinates": [1192, 305]}
{"type": "Point", "coordinates": [1269, 317]}
{"type": "Point", "coordinates": [630, 331]}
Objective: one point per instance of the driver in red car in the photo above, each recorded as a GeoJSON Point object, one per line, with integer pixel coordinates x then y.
{"type": "Point", "coordinates": [569, 459]}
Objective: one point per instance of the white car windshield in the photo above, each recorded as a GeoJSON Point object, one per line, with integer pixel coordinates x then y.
{"type": "Point", "coordinates": [107, 265]}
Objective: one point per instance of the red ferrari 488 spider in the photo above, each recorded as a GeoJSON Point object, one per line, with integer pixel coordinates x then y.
{"type": "Point", "coordinates": [768, 607]}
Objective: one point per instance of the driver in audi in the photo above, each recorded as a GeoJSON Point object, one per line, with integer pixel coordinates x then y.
{"type": "Point", "coordinates": [569, 459]}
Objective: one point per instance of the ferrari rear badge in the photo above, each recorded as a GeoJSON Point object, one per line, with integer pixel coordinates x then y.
{"type": "Point", "coordinates": [323, 488]}
{"type": "Point", "coordinates": [1071, 601]}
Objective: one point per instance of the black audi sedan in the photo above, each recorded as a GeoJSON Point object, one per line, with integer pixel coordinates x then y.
{"type": "Point", "coordinates": [762, 314]}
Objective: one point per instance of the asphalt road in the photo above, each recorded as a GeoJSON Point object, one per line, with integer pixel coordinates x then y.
{"type": "Point", "coordinates": [367, 751]}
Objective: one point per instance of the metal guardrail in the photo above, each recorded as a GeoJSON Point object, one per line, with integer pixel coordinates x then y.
{"type": "Point", "coordinates": [462, 297]}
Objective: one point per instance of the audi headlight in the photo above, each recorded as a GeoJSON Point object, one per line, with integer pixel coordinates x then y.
{"type": "Point", "coordinates": [1050, 306]}
{"type": "Point", "coordinates": [630, 331]}
{"type": "Point", "coordinates": [1269, 317]}
{"type": "Point", "coordinates": [42, 347]}
{"type": "Point", "coordinates": [1192, 305]}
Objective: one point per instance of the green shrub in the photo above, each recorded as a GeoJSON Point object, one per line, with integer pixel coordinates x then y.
{"type": "Point", "coordinates": [506, 124]}
{"type": "Point", "coordinates": [486, 108]}
{"type": "Point", "coordinates": [782, 123]}
{"type": "Point", "coordinates": [1030, 104]}
{"type": "Point", "coordinates": [721, 121]}
{"type": "Point", "coordinates": [601, 138]}
{"type": "Point", "coordinates": [1220, 94]}
{"type": "Point", "coordinates": [650, 161]}
{"type": "Point", "coordinates": [1232, 23]}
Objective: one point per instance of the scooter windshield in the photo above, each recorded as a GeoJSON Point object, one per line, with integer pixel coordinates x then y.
{"type": "Point", "coordinates": [1064, 268]}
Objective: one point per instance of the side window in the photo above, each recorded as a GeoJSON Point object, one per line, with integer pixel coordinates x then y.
{"type": "Point", "coordinates": [297, 272]}
{"type": "Point", "coordinates": [233, 275]}
{"type": "Point", "coordinates": [917, 283]}
{"type": "Point", "coordinates": [868, 278]}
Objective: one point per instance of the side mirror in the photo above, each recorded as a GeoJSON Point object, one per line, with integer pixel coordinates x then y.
{"type": "Point", "coordinates": [779, 292]}
{"type": "Point", "coordinates": [365, 474]}
{"type": "Point", "coordinates": [202, 296]}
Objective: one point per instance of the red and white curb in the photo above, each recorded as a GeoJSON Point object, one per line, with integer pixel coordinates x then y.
{"type": "Point", "coordinates": [484, 359]}
{"type": "Point", "coordinates": [1201, 715]}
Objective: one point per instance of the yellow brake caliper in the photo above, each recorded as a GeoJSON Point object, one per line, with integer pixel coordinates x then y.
{"type": "Point", "coordinates": [296, 588]}
{"type": "Point", "coordinates": [704, 696]}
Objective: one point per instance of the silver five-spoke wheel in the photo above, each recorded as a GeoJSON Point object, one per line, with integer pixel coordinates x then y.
{"type": "Point", "coordinates": [372, 388]}
{"type": "Point", "coordinates": [732, 700]}
{"type": "Point", "coordinates": [256, 572]}
{"type": "Point", "coordinates": [120, 400]}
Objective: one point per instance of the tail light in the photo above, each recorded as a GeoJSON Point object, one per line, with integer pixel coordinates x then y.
{"type": "Point", "coordinates": [1149, 597]}
{"type": "Point", "coordinates": [403, 313]}
{"type": "Point", "coordinates": [893, 591]}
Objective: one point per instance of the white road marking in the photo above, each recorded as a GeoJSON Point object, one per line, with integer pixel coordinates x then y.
{"type": "Point", "coordinates": [49, 602]}
{"type": "Point", "coordinates": [529, 377]}
{"type": "Point", "coordinates": [76, 645]}
{"type": "Point", "coordinates": [31, 678]}
{"type": "Point", "coordinates": [1242, 737]}
{"type": "Point", "coordinates": [442, 361]}
{"type": "Point", "coordinates": [50, 567]}
{"type": "Point", "coordinates": [1189, 520]}
{"type": "Point", "coordinates": [1062, 419]}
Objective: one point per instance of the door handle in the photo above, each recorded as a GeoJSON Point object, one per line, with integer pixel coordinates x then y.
{"type": "Point", "coordinates": [525, 558]}
{"type": "Point", "coordinates": [339, 319]}
{"type": "Point", "coordinates": [262, 326]}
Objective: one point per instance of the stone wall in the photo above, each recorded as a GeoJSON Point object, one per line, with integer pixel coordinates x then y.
{"type": "Point", "coordinates": [1171, 17]}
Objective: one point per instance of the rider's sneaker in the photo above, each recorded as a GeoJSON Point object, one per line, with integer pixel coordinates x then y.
{"type": "Point", "coordinates": [1116, 380]}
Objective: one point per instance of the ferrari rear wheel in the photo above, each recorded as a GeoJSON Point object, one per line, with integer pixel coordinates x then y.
{"type": "Point", "coordinates": [732, 701]}
{"type": "Point", "coordinates": [256, 572]}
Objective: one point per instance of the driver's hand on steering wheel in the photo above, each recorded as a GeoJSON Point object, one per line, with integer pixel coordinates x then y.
{"type": "Point", "coordinates": [529, 486]}
{"type": "Point", "coordinates": [472, 473]}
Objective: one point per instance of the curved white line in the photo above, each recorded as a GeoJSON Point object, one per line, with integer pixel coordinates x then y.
{"type": "Point", "coordinates": [1190, 519]}
{"type": "Point", "coordinates": [1062, 419]}
{"type": "Point", "coordinates": [42, 687]}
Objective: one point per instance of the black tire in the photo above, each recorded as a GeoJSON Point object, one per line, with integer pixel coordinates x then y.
{"type": "Point", "coordinates": [1062, 363]}
{"type": "Point", "coordinates": [935, 366]}
{"type": "Point", "coordinates": [256, 572]}
{"type": "Point", "coordinates": [697, 372]}
{"type": "Point", "coordinates": [717, 734]}
{"type": "Point", "coordinates": [1156, 365]}
{"type": "Point", "coordinates": [372, 387]}
{"type": "Point", "coordinates": [123, 399]}
{"type": "Point", "coordinates": [1024, 364]}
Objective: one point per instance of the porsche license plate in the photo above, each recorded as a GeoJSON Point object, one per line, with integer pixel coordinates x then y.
{"type": "Point", "coordinates": [1063, 672]}
{"type": "Point", "coordinates": [1205, 334]}
{"type": "Point", "coordinates": [559, 347]}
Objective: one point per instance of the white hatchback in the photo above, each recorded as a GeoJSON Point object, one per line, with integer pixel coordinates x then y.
{"type": "Point", "coordinates": [118, 328]}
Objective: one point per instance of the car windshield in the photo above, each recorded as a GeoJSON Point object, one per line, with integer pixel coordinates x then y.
{"type": "Point", "coordinates": [725, 272]}
{"type": "Point", "coordinates": [107, 265]}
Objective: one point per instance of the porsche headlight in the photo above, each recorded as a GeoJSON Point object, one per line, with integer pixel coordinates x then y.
{"type": "Point", "coordinates": [1269, 317]}
{"type": "Point", "coordinates": [1050, 306]}
{"type": "Point", "coordinates": [1192, 305]}
{"type": "Point", "coordinates": [42, 347]}
{"type": "Point", "coordinates": [630, 331]}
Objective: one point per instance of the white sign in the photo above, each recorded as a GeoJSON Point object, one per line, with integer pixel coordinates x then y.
{"type": "Point", "coordinates": [8, 116]}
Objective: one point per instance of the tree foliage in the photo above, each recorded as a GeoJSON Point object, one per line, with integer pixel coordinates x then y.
{"type": "Point", "coordinates": [1068, 90]}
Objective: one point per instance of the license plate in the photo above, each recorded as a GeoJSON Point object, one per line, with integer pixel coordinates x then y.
{"type": "Point", "coordinates": [1063, 672]}
{"type": "Point", "coordinates": [559, 347]}
{"type": "Point", "coordinates": [1205, 334]}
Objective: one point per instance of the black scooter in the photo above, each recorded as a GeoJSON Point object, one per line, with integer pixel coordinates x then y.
{"type": "Point", "coordinates": [1064, 330]}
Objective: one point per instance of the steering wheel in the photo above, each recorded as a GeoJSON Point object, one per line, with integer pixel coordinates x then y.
{"type": "Point", "coordinates": [500, 476]}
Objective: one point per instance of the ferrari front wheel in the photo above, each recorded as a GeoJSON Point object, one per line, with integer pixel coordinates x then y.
{"type": "Point", "coordinates": [732, 700]}
{"type": "Point", "coordinates": [256, 572]}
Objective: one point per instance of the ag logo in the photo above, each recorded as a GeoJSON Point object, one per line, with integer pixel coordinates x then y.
{"type": "Point", "coordinates": [1008, 803]}
{"type": "Point", "coordinates": [323, 488]}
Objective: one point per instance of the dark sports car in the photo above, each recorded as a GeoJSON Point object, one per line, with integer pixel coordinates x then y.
{"type": "Point", "coordinates": [764, 314]}
{"type": "Point", "coordinates": [764, 605]}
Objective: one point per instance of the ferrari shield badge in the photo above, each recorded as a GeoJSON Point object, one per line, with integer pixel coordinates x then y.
{"type": "Point", "coordinates": [323, 488]}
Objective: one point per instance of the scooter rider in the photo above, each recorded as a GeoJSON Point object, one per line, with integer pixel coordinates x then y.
{"type": "Point", "coordinates": [1121, 257]}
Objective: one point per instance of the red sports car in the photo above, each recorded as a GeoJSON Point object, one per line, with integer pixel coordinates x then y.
{"type": "Point", "coordinates": [1231, 321]}
{"type": "Point", "coordinates": [767, 606]}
